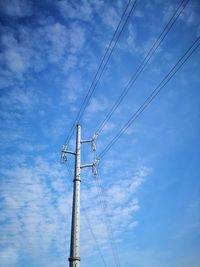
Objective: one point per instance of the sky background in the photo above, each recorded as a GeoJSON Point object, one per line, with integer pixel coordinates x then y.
{"type": "Point", "coordinates": [49, 54]}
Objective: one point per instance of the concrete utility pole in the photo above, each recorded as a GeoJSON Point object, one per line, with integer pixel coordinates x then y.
{"type": "Point", "coordinates": [74, 259]}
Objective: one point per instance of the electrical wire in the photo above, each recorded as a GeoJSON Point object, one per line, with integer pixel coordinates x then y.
{"type": "Point", "coordinates": [141, 67]}
{"type": "Point", "coordinates": [154, 93]}
{"type": "Point", "coordinates": [106, 221]}
{"type": "Point", "coordinates": [120, 27]}
{"type": "Point", "coordinates": [94, 237]}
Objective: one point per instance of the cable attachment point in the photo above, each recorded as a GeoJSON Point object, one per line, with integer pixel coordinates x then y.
{"type": "Point", "coordinates": [94, 142]}
{"type": "Point", "coordinates": [64, 153]}
{"type": "Point", "coordinates": [94, 166]}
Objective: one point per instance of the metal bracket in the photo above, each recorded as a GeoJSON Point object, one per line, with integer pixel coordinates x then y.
{"type": "Point", "coordinates": [86, 141]}
{"type": "Point", "coordinates": [86, 166]}
{"type": "Point", "coordinates": [93, 166]}
{"type": "Point", "coordinates": [92, 141]}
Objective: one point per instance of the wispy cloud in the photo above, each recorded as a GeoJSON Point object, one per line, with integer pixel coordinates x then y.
{"type": "Point", "coordinates": [36, 209]}
{"type": "Point", "coordinates": [30, 206]}
{"type": "Point", "coordinates": [16, 8]}
{"type": "Point", "coordinates": [8, 256]}
{"type": "Point", "coordinates": [96, 106]}
{"type": "Point", "coordinates": [75, 11]}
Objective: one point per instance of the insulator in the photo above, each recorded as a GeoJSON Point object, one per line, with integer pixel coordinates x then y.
{"type": "Point", "coordinates": [64, 147]}
{"type": "Point", "coordinates": [63, 153]}
{"type": "Point", "coordinates": [93, 144]}
{"type": "Point", "coordinates": [94, 169]}
{"type": "Point", "coordinates": [96, 162]}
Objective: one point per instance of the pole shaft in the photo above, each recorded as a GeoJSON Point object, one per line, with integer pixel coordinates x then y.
{"type": "Point", "coordinates": [74, 259]}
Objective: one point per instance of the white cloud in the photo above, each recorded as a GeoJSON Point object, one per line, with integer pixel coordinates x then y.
{"type": "Point", "coordinates": [110, 17]}
{"type": "Point", "coordinates": [31, 213]}
{"type": "Point", "coordinates": [35, 48]}
{"type": "Point", "coordinates": [55, 38]}
{"type": "Point", "coordinates": [72, 88]}
{"type": "Point", "coordinates": [118, 203]}
{"type": "Point", "coordinates": [16, 56]}
{"type": "Point", "coordinates": [133, 224]}
{"type": "Point", "coordinates": [96, 106]}
{"type": "Point", "coordinates": [16, 8]}
{"type": "Point", "coordinates": [109, 126]}
{"type": "Point", "coordinates": [8, 257]}
{"type": "Point", "coordinates": [75, 10]}
{"type": "Point", "coordinates": [14, 61]}
{"type": "Point", "coordinates": [37, 209]}
{"type": "Point", "coordinates": [168, 12]}
{"type": "Point", "coordinates": [77, 38]}
{"type": "Point", "coordinates": [19, 100]}
{"type": "Point", "coordinates": [70, 63]}
{"type": "Point", "coordinates": [131, 44]}
{"type": "Point", "coordinates": [190, 15]}
{"type": "Point", "coordinates": [29, 147]}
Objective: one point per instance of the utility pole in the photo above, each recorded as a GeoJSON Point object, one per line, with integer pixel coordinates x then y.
{"type": "Point", "coordinates": [74, 258]}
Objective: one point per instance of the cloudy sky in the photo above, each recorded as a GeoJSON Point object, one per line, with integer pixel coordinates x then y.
{"type": "Point", "coordinates": [143, 207]}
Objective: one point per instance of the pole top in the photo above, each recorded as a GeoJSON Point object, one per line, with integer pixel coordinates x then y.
{"type": "Point", "coordinates": [78, 124]}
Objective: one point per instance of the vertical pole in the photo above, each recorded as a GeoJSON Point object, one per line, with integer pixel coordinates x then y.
{"type": "Point", "coordinates": [74, 259]}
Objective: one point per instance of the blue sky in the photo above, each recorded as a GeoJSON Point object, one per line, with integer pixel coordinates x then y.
{"type": "Point", "coordinates": [49, 53]}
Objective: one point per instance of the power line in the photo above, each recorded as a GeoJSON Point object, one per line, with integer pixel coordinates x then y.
{"type": "Point", "coordinates": [120, 27]}
{"type": "Point", "coordinates": [106, 221]}
{"type": "Point", "coordinates": [147, 58]}
{"type": "Point", "coordinates": [94, 237]}
{"type": "Point", "coordinates": [154, 93]}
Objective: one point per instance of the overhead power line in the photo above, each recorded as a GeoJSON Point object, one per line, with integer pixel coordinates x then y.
{"type": "Point", "coordinates": [94, 237]}
{"type": "Point", "coordinates": [145, 61]}
{"type": "Point", "coordinates": [154, 93]}
{"type": "Point", "coordinates": [106, 221]}
{"type": "Point", "coordinates": [120, 27]}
